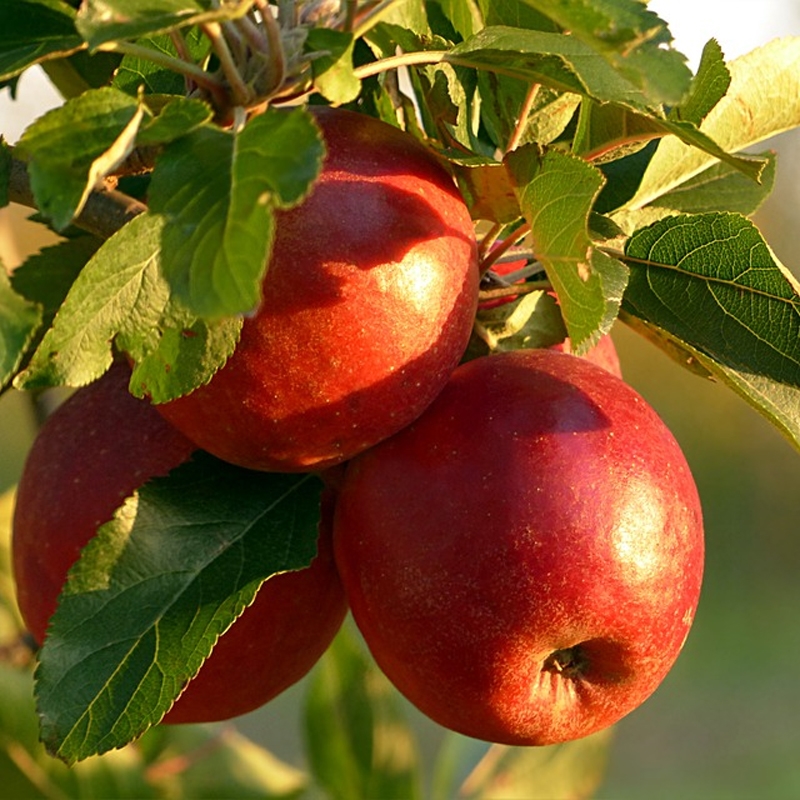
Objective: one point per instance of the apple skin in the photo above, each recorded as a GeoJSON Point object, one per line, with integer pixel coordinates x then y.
{"type": "Point", "coordinates": [95, 450]}
{"type": "Point", "coordinates": [367, 307]}
{"type": "Point", "coordinates": [524, 561]}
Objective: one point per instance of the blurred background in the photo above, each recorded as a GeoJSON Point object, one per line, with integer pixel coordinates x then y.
{"type": "Point", "coordinates": [723, 725]}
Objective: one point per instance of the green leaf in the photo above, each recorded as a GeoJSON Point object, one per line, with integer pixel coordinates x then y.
{"type": "Point", "coordinates": [121, 295]}
{"type": "Point", "coordinates": [19, 320]}
{"type": "Point", "coordinates": [135, 72]}
{"type": "Point", "coordinates": [763, 100]}
{"type": "Point", "coordinates": [332, 68]}
{"type": "Point", "coordinates": [556, 192]}
{"type": "Point", "coordinates": [102, 21]}
{"type": "Point", "coordinates": [633, 39]}
{"type": "Point", "coordinates": [220, 219]}
{"type": "Point", "coordinates": [358, 742]}
{"type": "Point", "coordinates": [708, 86]}
{"type": "Point", "coordinates": [712, 283]}
{"type": "Point", "coordinates": [487, 190]}
{"type": "Point", "coordinates": [177, 118]}
{"type": "Point", "coordinates": [73, 146]}
{"type": "Point", "coordinates": [168, 575]}
{"type": "Point", "coordinates": [574, 769]}
{"type": "Point", "coordinates": [81, 71]}
{"type": "Point", "coordinates": [32, 31]}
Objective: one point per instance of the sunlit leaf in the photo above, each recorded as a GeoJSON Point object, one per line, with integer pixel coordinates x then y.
{"type": "Point", "coordinates": [178, 564]}
{"type": "Point", "coordinates": [763, 100]}
{"type": "Point", "coordinates": [220, 218]}
{"type": "Point", "coordinates": [556, 192]}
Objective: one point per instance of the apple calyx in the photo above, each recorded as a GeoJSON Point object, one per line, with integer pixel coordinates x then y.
{"type": "Point", "coordinates": [571, 662]}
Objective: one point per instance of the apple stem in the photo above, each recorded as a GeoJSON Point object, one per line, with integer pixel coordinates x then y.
{"type": "Point", "coordinates": [494, 254]}
{"type": "Point", "coordinates": [571, 662]}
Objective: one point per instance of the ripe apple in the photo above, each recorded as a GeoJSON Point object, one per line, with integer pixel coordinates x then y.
{"type": "Point", "coordinates": [98, 448]}
{"type": "Point", "coordinates": [524, 560]}
{"type": "Point", "coordinates": [367, 307]}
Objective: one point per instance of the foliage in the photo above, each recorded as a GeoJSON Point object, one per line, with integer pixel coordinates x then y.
{"type": "Point", "coordinates": [595, 155]}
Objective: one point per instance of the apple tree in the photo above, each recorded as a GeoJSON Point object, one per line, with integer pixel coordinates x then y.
{"type": "Point", "coordinates": [558, 162]}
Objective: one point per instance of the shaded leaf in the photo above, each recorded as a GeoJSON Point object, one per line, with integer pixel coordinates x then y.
{"type": "Point", "coordinates": [135, 72]}
{"type": "Point", "coordinates": [358, 743]}
{"type": "Point", "coordinates": [220, 219]}
{"type": "Point", "coordinates": [556, 192]}
{"type": "Point", "coordinates": [19, 320]}
{"type": "Point", "coordinates": [177, 118]}
{"type": "Point", "coordinates": [32, 31]}
{"type": "Point", "coordinates": [168, 575]}
{"type": "Point", "coordinates": [70, 148]}
{"type": "Point", "coordinates": [5, 171]}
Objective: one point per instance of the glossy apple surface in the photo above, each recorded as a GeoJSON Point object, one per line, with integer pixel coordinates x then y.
{"type": "Point", "coordinates": [367, 308]}
{"type": "Point", "coordinates": [94, 451]}
{"type": "Point", "coordinates": [524, 561]}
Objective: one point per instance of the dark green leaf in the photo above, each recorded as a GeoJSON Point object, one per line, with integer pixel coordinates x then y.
{"type": "Point", "coordinates": [19, 320]}
{"type": "Point", "coordinates": [633, 39]}
{"type": "Point", "coordinates": [556, 192]}
{"type": "Point", "coordinates": [101, 21]}
{"type": "Point", "coordinates": [358, 742]}
{"type": "Point", "coordinates": [121, 295]}
{"type": "Point", "coordinates": [32, 31]}
{"type": "Point", "coordinates": [135, 72]}
{"type": "Point", "coordinates": [73, 146]}
{"type": "Point", "coordinates": [712, 283]}
{"type": "Point", "coordinates": [708, 86]}
{"type": "Point", "coordinates": [220, 217]}
{"type": "Point", "coordinates": [178, 564]}
{"type": "Point", "coordinates": [81, 71]}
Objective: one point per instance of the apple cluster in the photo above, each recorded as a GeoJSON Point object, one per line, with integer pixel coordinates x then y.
{"type": "Point", "coordinates": [518, 537]}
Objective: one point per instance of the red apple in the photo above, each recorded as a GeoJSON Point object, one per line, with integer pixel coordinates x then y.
{"type": "Point", "coordinates": [524, 561]}
{"type": "Point", "coordinates": [98, 448]}
{"type": "Point", "coordinates": [367, 308]}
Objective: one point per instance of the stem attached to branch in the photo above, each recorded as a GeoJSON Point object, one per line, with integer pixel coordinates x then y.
{"type": "Point", "coordinates": [105, 212]}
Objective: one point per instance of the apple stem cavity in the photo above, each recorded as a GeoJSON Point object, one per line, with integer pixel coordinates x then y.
{"type": "Point", "coordinates": [571, 662]}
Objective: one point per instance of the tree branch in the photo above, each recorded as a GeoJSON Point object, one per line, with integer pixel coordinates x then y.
{"type": "Point", "coordinates": [105, 212]}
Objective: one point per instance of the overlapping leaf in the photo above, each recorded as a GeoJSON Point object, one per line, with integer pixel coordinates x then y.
{"type": "Point", "coordinates": [19, 319]}
{"type": "Point", "coordinates": [178, 564]}
{"type": "Point", "coordinates": [72, 147]}
{"type": "Point", "coordinates": [102, 21]}
{"type": "Point", "coordinates": [556, 192]}
{"type": "Point", "coordinates": [32, 31]}
{"type": "Point", "coordinates": [122, 297]}
{"type": "Point", "coordinates": [631, 37]}
{"type": "Point", "coordinates": [217, 192]}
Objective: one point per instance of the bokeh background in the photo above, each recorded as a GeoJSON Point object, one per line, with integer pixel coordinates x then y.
{"type": "Point", "coordinates": [724, 723]}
